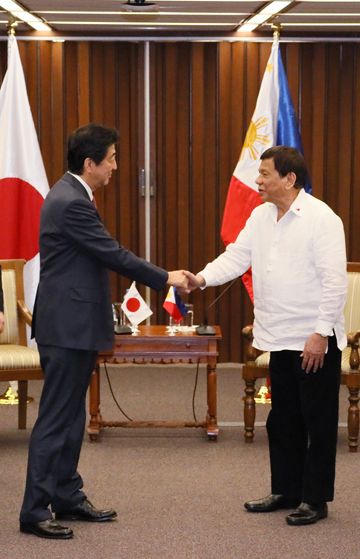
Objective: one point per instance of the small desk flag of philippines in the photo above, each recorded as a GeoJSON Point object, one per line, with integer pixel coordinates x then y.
{"type": "Point", "coordinates": [174, 305]}
{"type": "Point", "coordinates": [134, 306]}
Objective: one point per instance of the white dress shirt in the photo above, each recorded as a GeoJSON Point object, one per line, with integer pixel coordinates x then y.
{"type": "Point", "coordinates": [299, 272]}
{"type": "Point", "coordinates": [85, 185]}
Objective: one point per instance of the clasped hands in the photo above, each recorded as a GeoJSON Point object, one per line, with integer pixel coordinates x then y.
{"type": "Point", "coordinates": [185, 281]}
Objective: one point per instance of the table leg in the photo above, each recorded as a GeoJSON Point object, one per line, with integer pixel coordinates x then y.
{"type": "Point", "coordinates": [22, 395]}
{"type": "Point", "coordinates": [353, 418]}
{"type": "Point", "coordinates": [249, 410]}
{"type": "Point", "coordinates": [211, 419]}
{"type": "Point", "coordinates": [94, 405]}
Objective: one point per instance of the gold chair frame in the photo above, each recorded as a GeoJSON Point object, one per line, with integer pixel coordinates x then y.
{"type": "Point", "coordinates": [17, 361]}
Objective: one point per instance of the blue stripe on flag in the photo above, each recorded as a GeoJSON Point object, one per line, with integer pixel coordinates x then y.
{"type": "Point", "coordinates": [288, 130]}
{"type": "Point", "coordinates": [179, 303]}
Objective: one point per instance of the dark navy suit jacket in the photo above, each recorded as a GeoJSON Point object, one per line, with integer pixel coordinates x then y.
{"type": "Point", "coordinates": [73, 302]}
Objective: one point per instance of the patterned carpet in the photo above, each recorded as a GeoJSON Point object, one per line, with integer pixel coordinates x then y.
{"type": "Point", "coordinates": [178, 496]}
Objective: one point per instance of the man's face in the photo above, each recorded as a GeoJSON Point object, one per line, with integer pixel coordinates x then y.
{"type": "Point", "coordinates": [272, 187]}
{"type": "Point", "coordinates": [100, 175]}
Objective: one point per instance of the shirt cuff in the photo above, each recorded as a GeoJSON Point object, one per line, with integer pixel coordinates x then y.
{"type": "Point", "coordinates": [324, 328]}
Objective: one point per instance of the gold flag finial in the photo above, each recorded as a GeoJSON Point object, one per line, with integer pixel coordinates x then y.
{"type": "Point", "coordinates": [276, 27]}
{"type": "Point", "coordinates": [11, 25]}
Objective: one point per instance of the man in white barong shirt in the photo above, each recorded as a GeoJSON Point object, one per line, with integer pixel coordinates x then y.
{"type": "Point", "coordinates": [296, 247]}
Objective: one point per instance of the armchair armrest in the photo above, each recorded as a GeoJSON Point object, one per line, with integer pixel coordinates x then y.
{"type": "Point", "coordinates": [251, 353]}
{"type": "Point", "coordinates": [353, 342]}
{"type": "Point", "coordinates": [24, 312]}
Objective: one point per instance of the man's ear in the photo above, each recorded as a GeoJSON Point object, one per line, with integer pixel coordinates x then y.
{"type": "Point", "coordinates": [88, 164]}
{"type": "Point", "coordinates": [291, 180]}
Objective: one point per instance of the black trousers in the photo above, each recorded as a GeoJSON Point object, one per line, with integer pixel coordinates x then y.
{"type": "Point", "coordinates": [56, 439]}
{"type": "Point", "coordinates": [302, 425]}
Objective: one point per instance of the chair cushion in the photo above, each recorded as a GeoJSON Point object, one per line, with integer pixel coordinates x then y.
{"type": "Point", "coordinates": [263, 360]}
{"type": "Point", "coordinates": [18, 357]}
{"type": "Point", "coordinates": [345, 367]}
{"type": "Point", "coordinates": [352, 307]}
{"type": "Point", "coordinates": [10, 334]}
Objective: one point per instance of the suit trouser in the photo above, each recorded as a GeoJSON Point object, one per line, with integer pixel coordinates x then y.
{"type": "Point", "coordinates": [56, 439]}
{"type": "Point", "coordinates": [302, 425]}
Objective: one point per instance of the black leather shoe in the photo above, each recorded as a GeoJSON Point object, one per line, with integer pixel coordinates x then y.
{"type": "Point", "coordinates": [270, 503]}
{"type": "Point", "coordinates": [86, 511]}
{"type": "Point", "coordinates": [49, 528]}
{"type": "Point", "coordinates": [307, 514]}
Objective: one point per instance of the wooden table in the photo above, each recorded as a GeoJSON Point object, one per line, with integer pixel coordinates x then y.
{"type": "Point", "coordinates": [153, 344]}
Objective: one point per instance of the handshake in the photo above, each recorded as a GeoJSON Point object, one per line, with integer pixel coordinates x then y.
{"type": "Point", "coordinates": [185, 281]}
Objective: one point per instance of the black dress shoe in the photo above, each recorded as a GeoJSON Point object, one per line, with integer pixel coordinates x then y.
{"type": "Point", "coordinates": [270, 503]}
{"type": "Point", "coordinates": [86, 511]}
{"type": "Point", "coordinates": [307, 514]}
{"type": "Point", "coordinates": [49, 528]}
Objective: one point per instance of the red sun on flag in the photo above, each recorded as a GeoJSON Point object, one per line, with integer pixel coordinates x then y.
{"type": "Point", "coordinates": [20, 219]}
{"type": "Point", "coordinates": [133, 304]}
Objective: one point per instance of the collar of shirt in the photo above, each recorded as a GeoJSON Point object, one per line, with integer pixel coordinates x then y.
{"type": "Point", "coordinates": [85, 185]}
{"type": "Point", "coordinates": [297, 206]}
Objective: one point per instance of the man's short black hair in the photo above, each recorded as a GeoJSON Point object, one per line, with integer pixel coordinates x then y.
{"type": "Point", "coordinates": [288, 160]}
{"type": "Point", "coordinates": [93, 141]}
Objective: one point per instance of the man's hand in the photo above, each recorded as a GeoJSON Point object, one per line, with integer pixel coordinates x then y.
{"type": "Point", "coordinates": [195, 281]}
{"type": "Point", "coordinates": [179, 279]}
{"type": "Point", "coordinates": [314, 353]}
{"type": "Point", "coordinates": [2, 322]}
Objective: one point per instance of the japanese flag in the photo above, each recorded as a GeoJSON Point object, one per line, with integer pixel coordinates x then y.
{"type": "Point", "coordinates": [23, 182]}
{"type": "Point", "coordinates": [134, 306]}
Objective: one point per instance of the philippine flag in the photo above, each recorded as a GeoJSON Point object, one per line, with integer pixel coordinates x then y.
{"type": "Point", "coordinates": [174, 305]}
{"type": "Point", "coordinates": [273, 123]}
{"type": "Point", "coordinates": [134, 306]}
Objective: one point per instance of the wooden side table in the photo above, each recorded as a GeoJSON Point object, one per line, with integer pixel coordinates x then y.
{"type": "Point", "coordinates": [153, 344]}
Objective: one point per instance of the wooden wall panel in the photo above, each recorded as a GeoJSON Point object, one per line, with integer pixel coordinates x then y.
{"type": "Point", "coordinates": [316, 148]}
{"type": "Point", "coordinates": [203, 96]}
{"type": "Point", "coordinates": [354, 201]}
{"type": "Point", "coordinates": [70, 84]}
{"type": "Point", "coordinates": [57, 110]}
{"type": "Point", "coordinates": [323, 82]}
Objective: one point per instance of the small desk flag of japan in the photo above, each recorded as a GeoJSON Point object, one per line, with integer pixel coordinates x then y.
{"type": "Point", "coordinates": [134, 306]}
{"type": "Point", "coordinates": [174, 305]}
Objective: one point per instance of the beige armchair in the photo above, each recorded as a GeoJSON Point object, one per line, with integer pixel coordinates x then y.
{"type": "Point", "coordinates": [256, 364]}
{"type": "Point", "coordinates": [17, 361]}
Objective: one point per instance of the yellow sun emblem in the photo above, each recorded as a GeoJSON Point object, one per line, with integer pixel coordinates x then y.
{"type": "Point", "coordinates": [254, 137]}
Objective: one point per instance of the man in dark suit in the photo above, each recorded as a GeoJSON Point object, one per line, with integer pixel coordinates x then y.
{"type": "Point", "coordinates": [72, 321]}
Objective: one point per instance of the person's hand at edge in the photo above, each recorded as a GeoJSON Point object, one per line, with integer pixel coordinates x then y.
{"type": "Point", "coordinates": [2, 322]}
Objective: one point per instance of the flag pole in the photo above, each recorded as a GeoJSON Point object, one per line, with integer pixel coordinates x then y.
{"type": "Point", "coordinates": [10, 396]}
{"type": "Point", "coordinates": [263, 395]}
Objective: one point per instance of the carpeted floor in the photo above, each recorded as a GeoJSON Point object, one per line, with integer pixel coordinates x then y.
{"type": "Point", "coordinates": [178, 496]}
